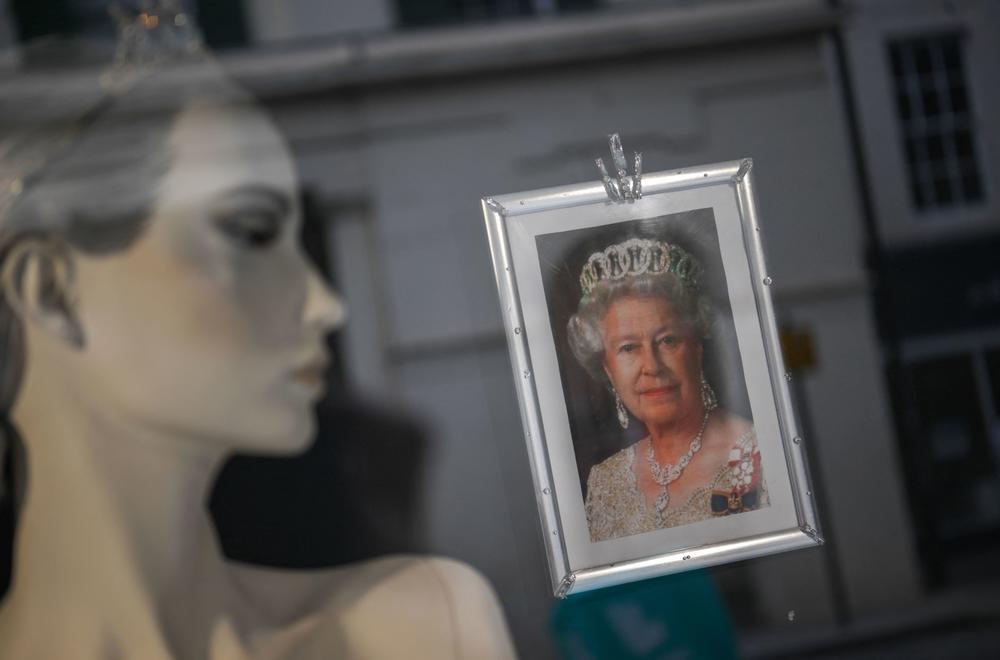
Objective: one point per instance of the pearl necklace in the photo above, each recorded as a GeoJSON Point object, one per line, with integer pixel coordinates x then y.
{"type": "Point", "coordinates": [668, 473]}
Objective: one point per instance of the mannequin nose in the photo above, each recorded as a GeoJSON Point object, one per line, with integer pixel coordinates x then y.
{"type": "Point", "coordinates": [324, 309]}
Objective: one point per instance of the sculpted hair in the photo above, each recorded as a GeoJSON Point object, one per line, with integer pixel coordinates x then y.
{"type": "Point", "coordinates": [584, 330]}
{"type": "Point", "coordinates": [104, 158]}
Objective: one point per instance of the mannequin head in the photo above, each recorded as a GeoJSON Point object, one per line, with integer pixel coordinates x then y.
{"type": "Point", "coordinates": [152, 272]}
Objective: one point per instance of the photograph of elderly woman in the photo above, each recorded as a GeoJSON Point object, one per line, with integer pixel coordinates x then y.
{"type": "Point", "coordinates": [651, 373]}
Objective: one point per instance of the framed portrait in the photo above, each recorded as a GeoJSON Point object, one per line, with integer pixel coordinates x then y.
{"type": "Point", "coordinates": [654, 398]}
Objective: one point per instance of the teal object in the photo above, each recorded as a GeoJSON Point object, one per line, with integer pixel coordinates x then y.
{"type": "Point", "coordinates": [675, 616]}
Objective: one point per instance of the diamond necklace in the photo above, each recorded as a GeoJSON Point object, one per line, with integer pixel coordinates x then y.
{"type": "Point", "coordinates": [670, 473]}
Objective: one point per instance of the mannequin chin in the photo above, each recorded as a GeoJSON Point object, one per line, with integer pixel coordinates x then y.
{"type": "Point", "coordinates": [202, 337]}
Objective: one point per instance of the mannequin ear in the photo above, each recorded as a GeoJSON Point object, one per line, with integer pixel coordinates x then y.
{"type": "Point", "coordinates": [38, 281]}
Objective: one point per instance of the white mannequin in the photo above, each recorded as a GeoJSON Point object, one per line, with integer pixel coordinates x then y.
{"type": "Point", "coordinates": [144, 371]}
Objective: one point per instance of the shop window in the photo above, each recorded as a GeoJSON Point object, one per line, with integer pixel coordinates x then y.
{"type": "Point", "coordinates": [993, 372]}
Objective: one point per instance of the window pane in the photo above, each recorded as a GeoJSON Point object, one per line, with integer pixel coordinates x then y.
{"type": "Point", "coordinates": [951, 54]}
{"type": "Point", "coordinates": [959, 99]}
{"type": "Point", "coordinates": [951, 444]}
{"type": "Point", "coordinates": [222, 22]}
{"type": "Point", "coordinates": [971, 188]}
{"type": "Point", "coordinates": [993, 369]}
{"type": "Point", "coordinates": [576, 5]}
{"type": "Point", "coordinates": [935, 147]}
{"type": "Point", "coordinates": [935, 121]}
{"type": "Point", "coordinates": [919, 198]}
{"type": "Point", "coordinates": [37, 18]}
{"type": "Point", "coordinates": [897, 62]}
{"type": "Point", "coordinates": [903, 105]}
{"type": "Point", "coordinates": [922, 58]}
{"type": "Point", "coordinates": [942, 191]}
{"type": "Point", "coordinates": [963, 144]}
{"type": "Point", "coordinates": [930, 104]}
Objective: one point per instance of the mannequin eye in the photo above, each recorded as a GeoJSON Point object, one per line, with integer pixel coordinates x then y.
{"type": "Point", "coordinates": [252, 216]}
{"type": "Point", "coordinates": [251, 228]}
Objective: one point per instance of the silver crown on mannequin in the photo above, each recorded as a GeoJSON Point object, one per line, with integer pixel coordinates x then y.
{"type": "Point", "coordinates": [640, 256]}
{"type": "Point", "coordinates": [157, 31]}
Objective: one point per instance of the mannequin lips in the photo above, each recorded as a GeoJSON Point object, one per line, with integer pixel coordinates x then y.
{"type": "Point", "coordinates": [312, 373]}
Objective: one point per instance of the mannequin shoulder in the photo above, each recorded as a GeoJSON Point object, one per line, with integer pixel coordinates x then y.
{"type": "Point", "coordinates": [442, 606]}
{"type": "Point", "coordinates": [401, 606]}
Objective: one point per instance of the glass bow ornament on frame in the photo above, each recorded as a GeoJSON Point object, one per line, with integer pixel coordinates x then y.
{"type": "Point", "coordinates": [624, 187]}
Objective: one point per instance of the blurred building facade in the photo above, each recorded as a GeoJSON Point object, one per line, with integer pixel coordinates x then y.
{"type": "Point", "coordinates": [931, 142]}
{"type": "Point", "coordinates": [398, 132]}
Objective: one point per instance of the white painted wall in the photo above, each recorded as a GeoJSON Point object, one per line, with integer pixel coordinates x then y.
{"type": "Point", "coordinates": [298, 20]}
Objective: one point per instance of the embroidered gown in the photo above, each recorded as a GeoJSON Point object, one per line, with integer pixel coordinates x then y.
{"type": "Point", "coordinates": [615, 506]}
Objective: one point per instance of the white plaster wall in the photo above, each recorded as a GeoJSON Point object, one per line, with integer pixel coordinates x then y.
{"type": "Point", "coordinates": [298, 20]}
{"type": "Point", "coordinates": [868, 515]}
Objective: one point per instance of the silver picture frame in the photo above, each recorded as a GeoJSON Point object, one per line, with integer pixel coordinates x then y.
{"type": "Point", "coordinates": [576, 563]}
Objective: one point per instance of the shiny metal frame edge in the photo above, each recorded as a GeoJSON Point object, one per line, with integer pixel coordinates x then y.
{"type": "Point", "coordinates": [688, 559]}
{"type": "Point", "coordinates": [792, 441]}
{"type": "Point", "coordinates": [737, 173]}
{"type": "Point", "coordinates": [524, 381]}
{"type": "Point", "coordinates": [547, 199]}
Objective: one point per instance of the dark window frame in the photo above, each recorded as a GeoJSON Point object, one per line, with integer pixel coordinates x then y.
{"type": "Point", "coordinates": [934, 111]}
{"type": "Point", "coordinates": [223, 23]}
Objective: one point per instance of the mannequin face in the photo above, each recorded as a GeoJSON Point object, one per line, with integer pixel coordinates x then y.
{"type": "Point", "coordinates": [211, 324]}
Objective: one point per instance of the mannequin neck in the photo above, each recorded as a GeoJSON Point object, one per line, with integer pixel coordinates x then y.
{"type": "Point", "coordinates": [114, 522]}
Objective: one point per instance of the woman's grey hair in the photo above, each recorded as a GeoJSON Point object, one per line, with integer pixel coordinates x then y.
{"type": "Point", "coordinates": [102, 165]}
{"type": "Point", "coordinates": [585, 328]}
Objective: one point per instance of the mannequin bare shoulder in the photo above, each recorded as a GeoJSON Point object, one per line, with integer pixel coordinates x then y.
{"type": "Point", "coordinates": [393, 607]}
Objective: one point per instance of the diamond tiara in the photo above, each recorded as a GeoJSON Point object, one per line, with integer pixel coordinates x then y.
{"type": "Point", "coordinates": [160, 31]}
{"type": "Point", "coordinates": [640, 256]}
